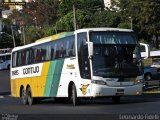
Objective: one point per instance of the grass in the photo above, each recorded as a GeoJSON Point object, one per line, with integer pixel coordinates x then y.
{"type": "Point", "coordinates": [155, 90]}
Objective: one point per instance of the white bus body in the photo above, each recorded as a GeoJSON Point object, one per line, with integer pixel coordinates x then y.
{"type": "Point", "coordinates": [5, 60]}
{"type": "Point", "coordinates": [95, 62]}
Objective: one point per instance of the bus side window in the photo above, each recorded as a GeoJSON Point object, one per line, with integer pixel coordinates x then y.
{"type": "Point", "coordinates": [2, 59]}
{"type": "Point", "coordinates": [23, 57]}
{"type": "Point", "coordinates": [57, 50]}
{"type": "Point", "coordinates": [27, 57]}
{"type": "Point", "coordinates": [8, 57]}
{"type": "Point", "coordinates": [52, 53]}
{"type": "Point", "coordinates": [48, 51]}
{"type": "Point", "coordinates": [61, 49]}
{"type": "Point", "coordinates": [37, 54]}
{"type": "Point", "coordinates": [43, 53]}
{"type": "Point", "coordinates": [14, 59]}
{"type": "Point", "coordinates": [32, 56]}
{"type": "Point", "coordinates": [54, 48]}
{"type": "Point", "coordinates": [19, 61]}
{"type": "Point", "coordinates": [70, 47]}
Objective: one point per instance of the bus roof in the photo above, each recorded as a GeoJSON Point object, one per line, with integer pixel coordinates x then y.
{"type": "Point", "coordinates": [4, 54]}
{"type": "Point", "coordinates": [103, 29]}
{"type": "Point", "coordinates": [65, 34]}
{"type": "Point", "coordinates": [44, 40]}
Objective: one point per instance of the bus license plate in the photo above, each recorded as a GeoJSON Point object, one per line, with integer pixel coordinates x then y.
{"type": "Point", "coordinates": [120, 92]}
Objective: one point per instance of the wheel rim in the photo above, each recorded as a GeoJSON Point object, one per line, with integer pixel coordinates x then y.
{"type": "Point", "coordinates": [24, 97]}
{"type": "Point", "coordinates": [30, 99]}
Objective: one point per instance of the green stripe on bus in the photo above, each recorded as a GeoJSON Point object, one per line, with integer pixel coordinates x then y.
{"type": "Point", "coordinates": [49, 79]}
{"type": "Point", "coordinates": [56, 77]}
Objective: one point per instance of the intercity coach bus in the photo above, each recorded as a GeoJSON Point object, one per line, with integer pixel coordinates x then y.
{"type": "Point", "coordinates": [93, 62]}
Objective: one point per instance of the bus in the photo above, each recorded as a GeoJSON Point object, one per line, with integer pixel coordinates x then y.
{"type": "Point", "coordinates": [86, 63]}
{"type": "Point", "coordinates": [5, 60]}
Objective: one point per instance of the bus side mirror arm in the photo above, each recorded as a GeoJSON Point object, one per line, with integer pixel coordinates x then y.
{"type": "Point", "coordinates": [147, 50]}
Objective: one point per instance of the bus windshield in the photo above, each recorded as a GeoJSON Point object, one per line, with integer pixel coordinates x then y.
{"type": "Point", "coordinates": [113, 54]}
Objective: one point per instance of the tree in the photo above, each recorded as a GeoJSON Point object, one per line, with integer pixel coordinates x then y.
{"type": "Point", "coordinates": [105, 18]}
{"type": "Point", "coordinates": [88, 6]}
{"type": "Point", "coordinates": [145, 16]}
{"type": "Point", "coordinates": [6, 37]}
{"type": "Point", "coordinates": [85, 9]}
{"type": "Point", "coordinates": [66, 22]}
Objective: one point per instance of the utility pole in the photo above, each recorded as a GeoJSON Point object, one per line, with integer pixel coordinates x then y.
{"type": "Point", "coordinates": [13, 36]}
{"type": "Point", "coordinates": [0, 19]}
{"type": "Point", "coordinates": [74, 15]}
{"type": "Point", "coordinates": [24, 38]}
{"type": "Point", "coordinates": [131, 22]}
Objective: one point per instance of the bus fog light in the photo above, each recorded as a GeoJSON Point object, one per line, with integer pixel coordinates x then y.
{"type": "Point", "coordinates": [99, 82]}
{"type": "Point", "coordinates": [138, 93]}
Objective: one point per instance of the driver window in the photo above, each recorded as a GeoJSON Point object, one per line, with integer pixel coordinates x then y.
{"type": "Point", "coordinates": [83, 60]}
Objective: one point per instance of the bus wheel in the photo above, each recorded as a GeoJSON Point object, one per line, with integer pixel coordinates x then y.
{"type": "Point", "coordinates": [24, 96]}
{"type": "Point", "coordinates": [74, 95]}
{"type": "Point", "coordinates": [116, 99]}
{"type": "Point", "coordinates": [29, 96]}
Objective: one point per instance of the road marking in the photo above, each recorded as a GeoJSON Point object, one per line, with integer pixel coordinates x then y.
{"type": "Point", "coordinates": [1, 97]}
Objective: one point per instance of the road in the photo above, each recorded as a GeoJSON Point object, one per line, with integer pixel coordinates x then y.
{"type": "Point", "coordinates": [128, 105]}
{"type": "Point", "coordinates": [137, 105]}
{"type": "Point", "coordinates": [4, 82]}
{"type": "Point", "coordinates": [140, 105]}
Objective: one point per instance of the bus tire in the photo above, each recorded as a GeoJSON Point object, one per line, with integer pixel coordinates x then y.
{"type": "Point", "coordinates": [74, 95]}
{"type": "Point", "coordinates": [24, 96]}
{"type": "Point", "coordinates": [29, 96]}
{"type": "Point", "coordinates": [116, 99]}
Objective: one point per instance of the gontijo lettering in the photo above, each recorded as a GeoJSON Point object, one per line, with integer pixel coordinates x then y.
{"type": "Point", "coordinates": [15, 72]}
{"type": "Point", "coordinates": [31, 70]}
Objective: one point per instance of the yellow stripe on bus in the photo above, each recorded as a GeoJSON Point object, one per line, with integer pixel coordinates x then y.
{"type": "Point", "coordinates": [37, 84]}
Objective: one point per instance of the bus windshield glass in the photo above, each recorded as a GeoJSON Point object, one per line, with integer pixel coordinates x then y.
{"type": "Point", "coordinates": [113, 54]}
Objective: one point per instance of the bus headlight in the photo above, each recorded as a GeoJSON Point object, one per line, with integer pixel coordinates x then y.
{"type": "Point", "coordinates": [99, 82]}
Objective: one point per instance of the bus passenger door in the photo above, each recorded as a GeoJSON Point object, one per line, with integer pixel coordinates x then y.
{"type": "Point", "coordinates": [84, 65]}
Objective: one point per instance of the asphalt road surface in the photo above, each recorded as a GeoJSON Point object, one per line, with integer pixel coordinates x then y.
{"type": "Point", "coordinates": [4, 82]}
{"type": "Point", "coordinates": [145, 106]}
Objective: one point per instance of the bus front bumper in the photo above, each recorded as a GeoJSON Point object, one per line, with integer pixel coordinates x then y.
{"type": "Point", "coordinates": [104, 90]}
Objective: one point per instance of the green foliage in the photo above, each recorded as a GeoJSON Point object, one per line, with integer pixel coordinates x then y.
{"type": "Point", "coordinates": [66, 22]}
{"type": "Point", "coordinates": [88, 6]}
{"type": "Point", "coordinates": [32, 34]}
{"type": "Point", "coordinates": [125, 25]}
{"type": "Point", "coordinates": [48, 31]}
{"type": "Point", "coordinates": [6, 36]}
{"type": "Point", "coordinates": [46, 17]}
{"type": "Point", "coordinates": [105, 18]}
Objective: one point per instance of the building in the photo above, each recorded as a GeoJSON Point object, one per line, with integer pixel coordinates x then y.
{"type": "Point", "coordinates": [6, 13]}
{"type": "Point", "coordinates": [107, 3]}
